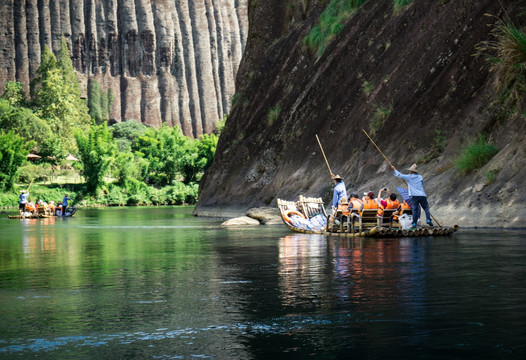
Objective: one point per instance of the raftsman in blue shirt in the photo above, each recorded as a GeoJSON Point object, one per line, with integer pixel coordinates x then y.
{"type": "Point", "coordinates": [339, 192]}
{"type": "Point", "coordinates": [415, 183]}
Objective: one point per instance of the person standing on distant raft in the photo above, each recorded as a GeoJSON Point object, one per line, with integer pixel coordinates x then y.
{"type": "Point", "coordinates": [23, 201]}
{"type": "Point", "coordinates": [415, 183]}
{"type": "Point", "coordinates": [65, 203]}
{"type": "Point", "coordinates": [339, 190]}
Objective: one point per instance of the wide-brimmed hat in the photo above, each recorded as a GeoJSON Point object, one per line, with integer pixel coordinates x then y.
{"type": "Point", "coordinates": [22, 191]}
{"type": "Point", "coordinates": [413, 168]}
{"type": "Point", "coordinates": [337, 177]}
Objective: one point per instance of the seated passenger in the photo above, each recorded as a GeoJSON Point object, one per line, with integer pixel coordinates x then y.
{"type": "Point", "coordinates": [369, 202]}
{"type": "Point", "coordinates": [52, 207]}
{"type": "Point", "coordinates": [342, 206]}
{"type": "Point", "coordinates": [403, 207]}
{"type": "Point", "coordinates": [355, 203]}
{"type": "Point", "coordinates": [30, 207]}
{"type": "Point", "coordinates": [390, 203]}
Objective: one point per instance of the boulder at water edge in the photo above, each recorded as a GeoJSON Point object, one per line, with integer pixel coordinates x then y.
{"type": "Point", "coordinates": [240, 221]}
{"type": "Point", "coordinates": [265, 215]}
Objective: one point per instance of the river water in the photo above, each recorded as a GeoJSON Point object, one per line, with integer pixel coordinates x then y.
{"type": "Point", "coordinates": [157, 283]}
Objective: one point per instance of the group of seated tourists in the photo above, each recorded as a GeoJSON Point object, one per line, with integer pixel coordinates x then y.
{"type": "Point", "coordinates": [368, 201]}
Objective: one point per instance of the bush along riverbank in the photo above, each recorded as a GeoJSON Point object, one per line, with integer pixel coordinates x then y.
{"type": "Point", "coordinates": [136, 194]}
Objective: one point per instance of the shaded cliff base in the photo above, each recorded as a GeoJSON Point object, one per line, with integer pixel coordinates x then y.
{"type": "Point", "coordinates": [486, 216]}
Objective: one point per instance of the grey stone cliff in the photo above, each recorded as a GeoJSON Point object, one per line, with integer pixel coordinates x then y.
{"type": "Point", "coordinates": [166, 61]}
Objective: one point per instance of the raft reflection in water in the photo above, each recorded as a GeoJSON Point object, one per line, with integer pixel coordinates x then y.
{"type": "Point", "coordinates": [366, 272]}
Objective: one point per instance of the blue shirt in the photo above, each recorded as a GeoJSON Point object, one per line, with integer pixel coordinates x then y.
{"type": "Point", "coordinates": [23, 198]}
{"type": "Point", "coordinates": [339, 192]}
{"type": "Point", "coordinates": [415, 182]}
{"type": "Point", "coordinates": [65, 202]}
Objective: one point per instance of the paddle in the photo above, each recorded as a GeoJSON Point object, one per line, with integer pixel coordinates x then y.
{"type": "Point", "coordinates": [392, 166]}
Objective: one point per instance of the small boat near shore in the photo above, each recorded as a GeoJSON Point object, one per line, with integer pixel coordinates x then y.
{"type": "Point", "coordinates": [308, 216]}
{"type": "Point", "coordinates": [70, 211]}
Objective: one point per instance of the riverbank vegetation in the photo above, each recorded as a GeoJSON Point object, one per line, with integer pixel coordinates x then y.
{"type": "Point", "coordinates": [54, 139]}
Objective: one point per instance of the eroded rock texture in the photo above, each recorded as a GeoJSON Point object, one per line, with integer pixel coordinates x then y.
{"type": "Point", "coordinates": [166, 61]}
{"type": "Point", "coordinates": [409, 77]}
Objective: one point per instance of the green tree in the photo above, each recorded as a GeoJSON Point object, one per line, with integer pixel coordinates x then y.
{"type": "Point", "coordinates": [99, 103]}
{"type": "Point", "coordinates": [15, 94]}
{"type": "Point", "coordinates": [13, 152]}
{"type": "Point", "coordinates": [97, 151]}
{"type": "Point", "coordinates": [127, 132]}
{"type": "Point", "coordinates": [56, 96]}
{"type": "Point", "coordinates": [197, 157]}
{"type": "Point", "coordinates": [163, 148]}
{"type": "Point", "coordinates": [24, 122]}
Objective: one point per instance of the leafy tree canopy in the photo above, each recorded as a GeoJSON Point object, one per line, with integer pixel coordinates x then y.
{"type": "Point", "coordinates": [13, 152]}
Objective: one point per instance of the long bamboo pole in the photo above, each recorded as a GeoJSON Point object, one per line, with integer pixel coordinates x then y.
{"type": "Point", "coordinates": [377, 148]}
{"type": "Point", "coordinates": [385, 157]}
{"type": "Point", "coordinates": [31, 183]}
{"type": "Point", "coordinates": [323, 153]}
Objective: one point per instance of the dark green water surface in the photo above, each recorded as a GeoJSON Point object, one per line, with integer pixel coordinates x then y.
{"type": "Point", "coordinates": [157, 283]}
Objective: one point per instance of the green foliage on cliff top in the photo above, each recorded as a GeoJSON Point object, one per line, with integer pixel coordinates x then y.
{"type": "Point", "coordinates": [331, 24]}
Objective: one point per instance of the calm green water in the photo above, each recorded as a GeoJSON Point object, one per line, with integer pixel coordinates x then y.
{"type": "Point", "coordinates": [157, 283]}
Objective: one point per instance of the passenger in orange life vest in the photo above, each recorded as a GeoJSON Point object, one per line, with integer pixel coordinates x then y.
{"type": "Point", "coordinates": [355, 203]}
{"type": "Point", "coordinates": [403, 207]}
{"type": "Point", "coordinates": [369, 202]}
{"type": "Point", "coordinates": [389, 203]}
{"type": "Point", "coordinates": [342, 206]}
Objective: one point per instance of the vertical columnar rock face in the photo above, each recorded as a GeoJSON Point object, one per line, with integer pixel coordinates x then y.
{"type": "Point", "coordinates": [166, 61]}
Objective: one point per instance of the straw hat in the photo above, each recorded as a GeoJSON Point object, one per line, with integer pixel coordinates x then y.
{"type": "Point", "coordinates": [337, 177]}
{"type": "Point", "coordinates": [413, 169]}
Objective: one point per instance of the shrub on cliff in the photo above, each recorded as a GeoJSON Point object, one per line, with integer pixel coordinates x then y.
{"type": "Point", "coordinates": [507, 57]}
{"type": "Point", "coordinates": [476, 154]}
{"type": "Point", "coordinates": [331, 23]}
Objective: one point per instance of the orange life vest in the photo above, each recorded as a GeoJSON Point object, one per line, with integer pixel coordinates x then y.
{"type": "Point", "coordinates": [404, 206]}
{"type": "Point", "coordinates": [369, 204]}
{"type": "Point", "coordinates": [390, 205]}
{"type": "Point", "coordinates": [355, 204]}
{"type": "Point", "coordinates": [343, 208]}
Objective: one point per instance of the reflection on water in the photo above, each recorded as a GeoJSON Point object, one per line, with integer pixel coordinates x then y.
{"type": "Point", "coordinates": [159, 283]}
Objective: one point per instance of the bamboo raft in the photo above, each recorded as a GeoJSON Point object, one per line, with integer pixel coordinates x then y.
{"type": "Point", "coordinates": [298, 216]}
{"type": "Point", "coordinates": [32, 216]}
{"type": "Point", "coordinates": [43, 215]}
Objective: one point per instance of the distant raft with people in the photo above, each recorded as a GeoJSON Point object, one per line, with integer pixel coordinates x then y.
{"type": "Point", "coordinates": [41, 214]}
{"type": "Point", "coordinates": [308, 216]}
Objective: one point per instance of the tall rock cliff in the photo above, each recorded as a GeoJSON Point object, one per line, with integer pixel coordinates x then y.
{"type": "Point", "coordinates": [166, 61]}
{"type": "Point", "coordinates": [409, 76]}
